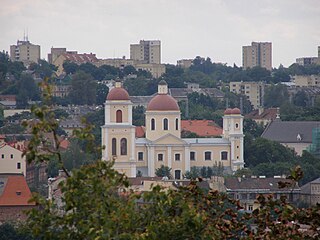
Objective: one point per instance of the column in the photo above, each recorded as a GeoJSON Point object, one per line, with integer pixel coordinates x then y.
{"type": "Point", "coordinates": [169, 157]}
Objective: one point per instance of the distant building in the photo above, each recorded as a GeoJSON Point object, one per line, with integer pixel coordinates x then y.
{"type": "Point", "coordinates": [8, 101]}
{"type": "Point", "coordinates": [11, 160]}
{"type": "Point", "coordinates": [184, 63]}
{"type": "Point", "coordinates": [263, 116]}
{"type": "Point", "coordinates": [253, 90]}
{"type": "Point", "coordinates": [147, 51]}
{"type": "Point", "coordinates": [303, 61]}
{"type": "Point", "coordinates": [258, 54]}
{"type": "Point", "coordinates": [155, 69]}
{"type": "Point", "coordinates": [115, 62]}
{"type": "Point", "coordinates": [56, 52]}
{"type": "Point", "coordinates": [246, 190]}
{"type": "Point", "coordinates": [25, 52]}
{"type": "Point", "coordinates": [306, 80]}
{"type": "Point", "coordinates": [296, 135]}
{"type": "Point", "coordinates": [310, 193]}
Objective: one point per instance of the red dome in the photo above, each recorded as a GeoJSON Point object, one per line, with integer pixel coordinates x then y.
{"type": "Point", "coordinates": [118, 93]}
{"type": "Point", "coordinates": [228, 111]}
{"type": "Point", "coordinates": [163, 102]}
{"type": "Point", "coordinates": [236, 111]}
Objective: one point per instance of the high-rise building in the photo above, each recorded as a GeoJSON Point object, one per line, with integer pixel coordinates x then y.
{"type": "Point", "coordinates": [147, 51]}
{"type": "Point", "coordinates": [258, 54]}
{"type": "Point", "coordinates": [25, 52]}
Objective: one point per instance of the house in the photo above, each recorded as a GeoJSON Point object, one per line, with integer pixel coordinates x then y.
{"type": "Point", "coordinates": [293, 134]}
{"type": "Point", "coordinates": [14, 197]}
{"type": "Point", "coordinates": [310, 193]}
{"type": "Point", "coordinates": [11, 160]}
{"type": "Point", "coordinates": [246, 190]}
{"type": "Point", "coordinates": [162, 144]}
{"type": "Point", "coordinates": [263, 116]}
{"type": "Point", "coordinates": [8, 101]}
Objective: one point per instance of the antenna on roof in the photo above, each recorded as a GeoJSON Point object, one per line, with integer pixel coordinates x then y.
{"type": "Point", "coordinates": [24, 34]}
{"type": "Point", "coordinates": [27, 36]}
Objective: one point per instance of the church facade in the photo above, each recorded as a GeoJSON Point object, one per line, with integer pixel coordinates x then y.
{"type": "Point", "coordinates": [163, 144]}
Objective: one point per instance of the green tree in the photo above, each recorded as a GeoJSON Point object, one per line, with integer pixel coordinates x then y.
{"type": "Point", "coordinates": [70, 67]}
{"type": "Point", "coordinates": [276, 95]}
{"type": "Point", "coordinates": [83, 89]}
{"type": "Point", "coordinates": [163, 171]}
{"type": "Point", "coordinates": [102, 92]}
{"type": "Point", "coordinates": [27, 90]}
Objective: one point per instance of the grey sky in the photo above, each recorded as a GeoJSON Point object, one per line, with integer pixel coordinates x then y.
{"type": "Point", "coordinates": [187, 28]}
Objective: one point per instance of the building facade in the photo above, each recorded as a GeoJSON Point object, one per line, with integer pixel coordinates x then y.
{"type": "Point", "coordinates": [25, 52]}
{"type": "Point", "coordinates": [258, 54]}
{"type": "Point", "coordinates": [253, 90]}
{"type": "Point", "coordinates": [306, 80]}
{"type": "Point", "coordinates": [163, 144]}
{"type": "Point", "coordinates": [147, 51]}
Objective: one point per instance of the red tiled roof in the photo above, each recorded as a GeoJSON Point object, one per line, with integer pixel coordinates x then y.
{"type": "Point", "coordinates": [14, 190]}
{"type": "Point", "coordinates": [203, 128]}
{"type": "Point", "coordinates": [64, 144]}
{"type": "Point", "coordinates": [80, 58]}
{"type": "Point", "coordinates": [267, 114]}
{"type": "Point", "coordinates": [7, 97]}
{"type": "Point", "coordinates": [140, 131]}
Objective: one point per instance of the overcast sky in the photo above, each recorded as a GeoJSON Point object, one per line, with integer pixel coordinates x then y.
{"type": "Point", "coordinates": [187, 28]}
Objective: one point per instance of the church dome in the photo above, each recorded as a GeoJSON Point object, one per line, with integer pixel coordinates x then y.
{"type": "Point", "coordinates": [235, 111]}
{"type": "Point", "coordinates": [163, 102]}
{"type": "Point", "coordinates": [228, 111]}
{"type": "Point", "coordinates": [118, 93]}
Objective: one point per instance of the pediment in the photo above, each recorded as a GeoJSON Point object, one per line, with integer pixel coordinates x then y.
{"type": "Point", "coordinates": [169, 139]}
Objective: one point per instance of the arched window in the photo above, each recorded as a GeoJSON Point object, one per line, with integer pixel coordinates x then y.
{"type": "Point", "coordinates": [165, 124]}
{"type": "Point", "coordinates": [123, 144]}
{"type": "Point", "coordinates": [177, 124]}
{"type": "Point", "coordinates": [119, 116]}
{"type": "Point", "coordinates": [114, 147]}
{"type": "Point", "coordinates": [177, 174]}
{"type": "Point", "coordinates": [153, 124]}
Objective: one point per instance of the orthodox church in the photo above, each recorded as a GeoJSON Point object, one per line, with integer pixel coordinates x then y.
{"type": "Point", "coordinates": [163, 144]}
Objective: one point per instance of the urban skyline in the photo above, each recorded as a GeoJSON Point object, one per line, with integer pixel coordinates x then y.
{"type": "Point", "coordinates": [215, 29]}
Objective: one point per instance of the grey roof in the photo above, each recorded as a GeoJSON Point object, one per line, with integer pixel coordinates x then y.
{"type": "Point", "coordinates": [183, 92]}
{"type": "Point", "coordinates": [206, 140]}
{"type": "Point", "coordinates": [288, 131]}
{"type": "Point", "coordinates": [306, 189]}
{"type": "Point", "coordinates": [141, 100]}
{"type": "Point", "coordinates": [142, 141]}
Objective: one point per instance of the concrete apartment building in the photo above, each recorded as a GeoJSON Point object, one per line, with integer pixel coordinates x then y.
{"type": "Point", "coordinates": [258, 54]}
{"type": "Point", "coordinates": [25, 52]}
{"type": "Point", "coordinates": [147, 51]}
{"type": "Point", "coordinates": [56, 52]}
{"type": "Point", "coordinates": [184, 63]}
{"type": "Point", "coordinates": [253, 90]}
{"type": "Point", "coordinates": [306, 81]}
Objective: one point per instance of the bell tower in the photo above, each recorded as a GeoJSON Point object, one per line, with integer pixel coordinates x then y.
{"type": "Point", "coordinates": [118, 133]}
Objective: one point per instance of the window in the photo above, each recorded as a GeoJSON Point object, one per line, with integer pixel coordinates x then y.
{"type": "Point", "coordinates": [119, 116]}
{"type": "Point", "coordinates": [237, 125]}
{"type": "Point", "coordinates": [2, 155]}
{"type": "Point", "coordinates": [165, 124]}
{"type": "Point", "coordinates": [18, 165]}
{"type": "Point", "coordinates": [177, 174]}
{"type": "Point", "coordinates": [153, 124]}
{"type": "Point", "coordinates": [114, 147]}
{"type": "Point", "coordinates": [123, 146]}
{"type": "Point", "coordinates": [177, 124]}
{"type": "Point", "coordinates": [160, 157]}
{"type": "Point", "coordinates": [11, 156]}
{"type": "Point", "coordinates": [192, 156]}
{"type": "Point", "coordinates": [207, 156]}
{"type": "Point", "coordinates": [224, 155]}
{"type": "Point", "coordinates": [140, 156]}
{"type": "Point", "coordinates": [177, 157]}
{"type": "Point", "coordinates": [250, 207]}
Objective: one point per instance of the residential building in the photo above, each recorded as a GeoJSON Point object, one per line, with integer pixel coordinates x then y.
{"type": "Point", "coordinates": [56, 52]}
{"type": "Point", "coordinates": [306, 80]}
{"type": "Point", "coordinates": [155, 69]}
{"type": "Point", "coordinates": [253, 90]}
{"type": "Point", "coordinates": [115, 62]}
{"type": "Point", "coordinates": [184, 63]}
{"type": "Point", "coordinates": [163, 144]}
{"type": "Point", "coordinates": [8, 101]}
{"type": "Point", "coordinates": [75, 58]}
{"type": "Point", "coordinates": [258, 54]}
{"type": "Point", "coordinates": [263, 116]}
{"type": "Point", "coordinates": [14, 197]}
{"type": "Point", "coordinates": [310, 193]}
{"type": "Point", "coordinates": [246, 190]}
{"type": "Point", "coordinates": [146, 51]}
{"type": "Point", "coordinates": [293, 134]}
{"type": "Point", "coordinates": [25, 52]}
{"type": "Point", "coordinates": [303, 61]}
{"type": "Point", "coordinates": [11, 160]}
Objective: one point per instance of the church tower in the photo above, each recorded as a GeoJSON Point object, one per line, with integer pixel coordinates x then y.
{"type": "Point", "coordinates": [233, 131]}
{"type": "Point", "coordinates": [118, 133]}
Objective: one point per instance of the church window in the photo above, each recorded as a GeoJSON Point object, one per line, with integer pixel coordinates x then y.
{"type": "Point", "coordinates": [160, 157]}
{"type": "Point", "coordinates": [224, 155]}
{"type": "Point", "coordinates": [114, 147]}
{"type": "Point", "coordinates": [177, 157]}
{"type": "Point", "coordinates": [140, 156]}
{"type": "Point", "coordinates": [18, 165]}
{"type": "Point", "coordinates": [192, 156]}
{"type": "Point", "coordinates": [207, 156]}
{"type": "Point", "coordinates": [153, 124]}
{"type": "Point", "coordinates": [123, 144]}
{"type": "Point", "coordinates": [177, 174]}
{"type": "Point", "coordinates": [237, 125]}
{"type": "Point", "coordinates": [119, 116]}
{"type": "Point", "coordinates": [177, 124]}
{"type": "Point", "coordinates": [165, 124]}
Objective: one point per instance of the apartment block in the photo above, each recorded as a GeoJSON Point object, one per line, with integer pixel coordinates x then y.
{"type": "Point", "coordinates": [303, 61]}
{"type": "Point", "coordinates": [258, 54]}
{"type": "Point", "coordinates": [306, 81]}
{"type": "Point", "coordinates": [25, 52]}
{"type": "Point", "coordinates": [184, 63]}
{"type": "Point", "coordinates": [146, 51]}
{"type": "Point", "coordinates": [253, 90]}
